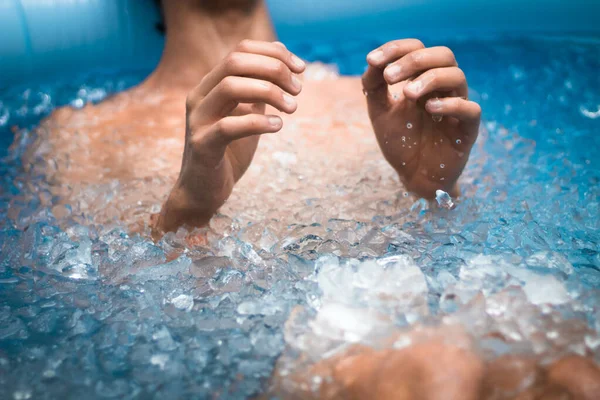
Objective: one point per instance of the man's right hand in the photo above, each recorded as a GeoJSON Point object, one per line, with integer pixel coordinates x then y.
{"type": "Point", "coordinates": [225, 115]}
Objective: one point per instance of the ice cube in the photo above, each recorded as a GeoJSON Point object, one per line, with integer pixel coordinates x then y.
{"type": "Point", "coordinates": [183, 302]}
{"type": "Point", "coordinates": [444, 200]}
{"type": "Point", "coordinates": [546, 289]}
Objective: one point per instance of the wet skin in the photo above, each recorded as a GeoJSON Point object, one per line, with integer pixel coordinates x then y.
{"type": "Point", "coordinates": [226, 114]}
{"type": "Point", "coordinates": [442, 364]}
{"type": "Point", "coordinates": [217, 117]}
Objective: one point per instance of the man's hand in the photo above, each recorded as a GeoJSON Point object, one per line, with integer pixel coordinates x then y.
{"type": "Point", "coordinates": [425, 126]}
{"type": "Point", "coordinates": [225, 115]}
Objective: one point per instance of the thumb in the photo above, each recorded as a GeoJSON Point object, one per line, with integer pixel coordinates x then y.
{"type": "Point", "coordinates": [376, 90]}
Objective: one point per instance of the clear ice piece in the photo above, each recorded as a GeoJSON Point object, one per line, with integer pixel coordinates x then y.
{"type": "Point", "coordinates": [444, 200]}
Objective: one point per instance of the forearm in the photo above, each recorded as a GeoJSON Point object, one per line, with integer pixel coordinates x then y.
{"type": "Point", "coordinates": [196, 197]}
{"type": "Point", "coordinates": [180, 209]}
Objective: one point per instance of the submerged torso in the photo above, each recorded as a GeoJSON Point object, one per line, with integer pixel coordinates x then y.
{"type": "Point", "coordinates": [120, 158]}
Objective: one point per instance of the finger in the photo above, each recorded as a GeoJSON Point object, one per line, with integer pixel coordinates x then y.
{"type": "Point", "coordinates": [438, 79]}
{"type": "Point", "coordinates": [374, 84]}
{"type": "Point", "coordinates": [378, 59]}
{"type": "Point", "coordinates": [233, 128]}
{"type": "Point", "coordinates": [252, 66]}
{"type": "Point", "coordinates": [273, 49]}
{"type": "Point", "coordinates": [466, 111]}
{"type": "Point", "coordinates": [418, 61]}
{"type": "Point", "coordinates": [391, 51]}
{"type": "Point", "coordinates": [234, 90]}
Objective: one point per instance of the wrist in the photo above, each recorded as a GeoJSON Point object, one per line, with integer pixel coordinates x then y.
{"type": "Point", "coordinates": [180, 209]}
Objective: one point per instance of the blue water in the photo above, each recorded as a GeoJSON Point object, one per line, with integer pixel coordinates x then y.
{"type": "Point", "coordinates": [100, 313]}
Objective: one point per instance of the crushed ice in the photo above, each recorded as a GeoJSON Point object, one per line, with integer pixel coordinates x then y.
{"type": "Point", "coordinates": [90, 308]}
{"type": "Point", "coordinates": [444, 200]}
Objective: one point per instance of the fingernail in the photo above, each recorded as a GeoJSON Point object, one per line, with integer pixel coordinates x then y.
{"type": "Point", "coordinates": [435, 105]}
{"type": "Point", "coordinates": [289, 100]}
{"type": "Point", "coordinates": [296, 83]}
{"type": "Point", "coordinates": [415, 86]}
{"type": "Point", "coordinates": [275, 121]}
{"type": "Point", "coordinates": [393, 72]}
{"type": "Point", "coordinates": [298, 62]}
{"type": "Point", "coordinates": [376, 56]}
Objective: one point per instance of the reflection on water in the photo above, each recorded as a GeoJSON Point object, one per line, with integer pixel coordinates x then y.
{"type": "Point", "coordinates": [88, 306]}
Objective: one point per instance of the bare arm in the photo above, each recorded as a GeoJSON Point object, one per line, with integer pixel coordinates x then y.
{"type": "Point", "coordinates": [225, 115]}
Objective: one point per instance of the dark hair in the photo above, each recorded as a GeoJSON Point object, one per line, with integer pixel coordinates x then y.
{"type": "Point", "coordinates": [160, 25]}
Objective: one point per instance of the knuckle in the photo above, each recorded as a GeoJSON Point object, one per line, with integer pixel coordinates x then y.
{"type": "Point", "coordinates": [461, 74]}
{"type": "Point", "coordinates": [446, 51]}
{"type": "Point", "coordinates": [228, 84]}
{"type": "Point", "coordinates": [432, 78]}
{"type": "Point", "coordinates": [416, 59]}
{"type": "Point", "coordinates": [417, 43]}
{"type": "Point", "coordinates": [280, 68]}
{"type": "Point", "coordinates": [233, 62]}
{"type": "Point", "coordinates": [244, 45]}
{"type": "Point", "coordinates": [221, 128]}
{"type": "Point", "coordinates": [449, 54]}
{"type": "Point", "coordinates": [191, 101]}
{"type": "Point", "coordinates": [271, 89]}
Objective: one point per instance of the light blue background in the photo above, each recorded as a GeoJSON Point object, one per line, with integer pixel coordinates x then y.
{"type": "Point", "coordinates": [40, 39]}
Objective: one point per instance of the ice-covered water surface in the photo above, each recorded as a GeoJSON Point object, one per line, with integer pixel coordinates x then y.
{"type": "Point", "coordinates": [90, 309]}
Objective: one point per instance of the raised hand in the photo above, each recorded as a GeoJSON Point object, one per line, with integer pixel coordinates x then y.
{"type": "Point", "coordinates": [417, 101]}
{"type": "Point", "coordinates": [225, 115]}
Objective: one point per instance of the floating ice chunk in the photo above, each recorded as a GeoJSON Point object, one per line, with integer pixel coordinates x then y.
{"type": "Point", "coordinates": [546, 290]}
{"type": "Point", "coordinates": [338, 322]}
{"type": "Point", "coordinates": [444, 200]}
{"type": "Point", "coordinates": [590, 114]}
{"type": "Point", "coordinates": [183, 302]}
{"type": "Point", "coordinates": [403, 280]}
{"type": "Point", "coordinates": [160, 360]}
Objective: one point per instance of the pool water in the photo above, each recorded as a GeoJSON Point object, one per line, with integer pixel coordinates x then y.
{"type": "Point", "coordinates": [92, 310]}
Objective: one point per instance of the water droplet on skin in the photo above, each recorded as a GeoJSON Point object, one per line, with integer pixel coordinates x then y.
{"type": "Point", "coordinates": [410, 147]}
{"type": "Point", "coordinates": [460, 154]}
{"type": "Point", "coordinates": [442, 165]}
{"type": "Point", "coordinates": [442, 178]}
{"type": "Point", "coordinates": [458, 141]}
{"type": "Point", "coordinates": [437, 118]}
{"type": "Point", "coordinates": [365, 93]}
{"type": "Point", "coordinates": [409, 125]}
{"type": "Point", "coordinates": [404, 138]}
{"type": "Point", "coordinates": [403, 163]}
